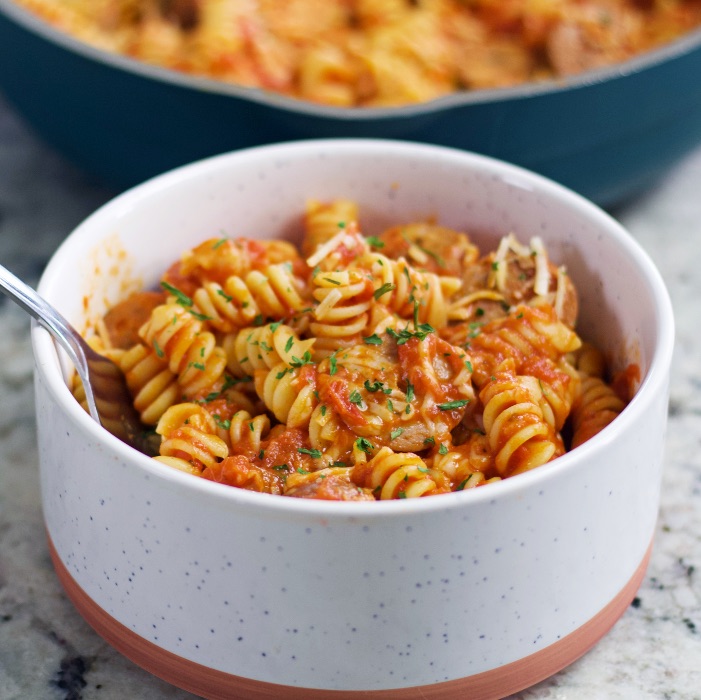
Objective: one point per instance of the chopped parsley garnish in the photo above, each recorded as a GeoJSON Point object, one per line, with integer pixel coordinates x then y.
{"type": "Point", "coordinates": [290, 342]}
{"type": "Point", "coordinates": [443, 450]}
{"type": "Point", "coordinates": [222, 422]}
{"type": "Point", "coordinates": [306, 360]}
{"type": "Point", "coordinates": [315, 454]}
{"type": "Point", "coordinates": [363, 444]}
{"type": "Point", "coordinates": [373, 339]}
{"type": "Point", "coordinates": [396, 433]}
{"type": "Point", "coordinates": [375, 242]}
{"type": "Point", "coordinates": [333, 367]}
{"type": "Point", "coordinates": [180, 298]}
{"type": "Point", "coordinates": [375, 386]}
{"type": "Point", "coordinates": [355, 397]}
{"type": "Point", "coordinates": [384, 289]}
{"type": "Point", "coordinates": [459, 403]}
{"type": "Point", "coordinates": [402, 336]}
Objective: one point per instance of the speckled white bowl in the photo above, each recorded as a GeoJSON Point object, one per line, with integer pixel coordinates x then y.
{"type": "Point", "coordinates": [475, 594]}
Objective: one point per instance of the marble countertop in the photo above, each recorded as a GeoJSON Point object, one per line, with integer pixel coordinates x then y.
{"type": "Point", "coordinates": [48, 652]}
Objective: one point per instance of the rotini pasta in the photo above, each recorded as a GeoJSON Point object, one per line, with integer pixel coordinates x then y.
{"type": "Point", "coordinates": [355, 374]}
{"type": "Point", "coordinates": [364, 53]}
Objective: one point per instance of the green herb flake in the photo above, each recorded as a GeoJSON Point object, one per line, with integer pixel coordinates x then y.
{"type": "Point", "coordinates": [396, 433]}
{"type": "Point", "coordinates": [373, 339]}
{"type": "Point", "coordinates": [222, 422]}
{"type": "Point", "coordinates": [375, 242]}
{"type": "Point", "coordinates": [180, 298]}
{"type": "Point", "coordinates": [384, 289]}
{"type": "Point", "coordinates": [355, 397]}
{"type": "Point", "coordinates": [372, 388]}
{"type": "Point", "coordinates": [450, 405]}
{"type": "Point", "coordinates": [402, 336]}
{"type": "Point", "coordinates": [199, 316]}
{"type": "Point", "coordinates": [333, 367]}
{"type": "Point", "coordinates": [363, 444]}
{"type": "Point", "coordinates": [306, 360]}
{"type": "Point", "coordinates": [314, 454]}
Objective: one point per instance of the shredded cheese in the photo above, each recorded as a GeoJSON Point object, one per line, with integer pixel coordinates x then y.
{"type": "Point", "coordinates": [541, 284]}
{"type": "Point", "coordinates": [326, 248]}
{"type": "Point", "coordinates": [327, 304]}
{"type": "Point", "coordinates": [560, 292]}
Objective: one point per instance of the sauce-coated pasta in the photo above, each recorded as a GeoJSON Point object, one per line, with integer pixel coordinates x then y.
{"type": "Point", "coordinates": [351, 53]}
{"type": "Point", "coordinates": [396, 365]}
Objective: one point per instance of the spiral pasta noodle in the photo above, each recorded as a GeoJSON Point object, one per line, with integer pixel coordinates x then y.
{"type": "Point", "coordinates": [518, 434]}
{"type": "Point", "coordinates": [323, 220]}
{"type": "Point", "coordinates": [189, 435]}
{"type": "Point", "coordinates": [596, 405]}
{"type": "Point", "coordinates": [192, 353]}
{"type": "Point", "coordinates": [385, 366]}
{"type": "Point", "coordinates": [341, 315]}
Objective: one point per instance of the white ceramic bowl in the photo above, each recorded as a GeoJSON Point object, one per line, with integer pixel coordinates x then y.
{"type": "Point", "coordinates": [477, 594]}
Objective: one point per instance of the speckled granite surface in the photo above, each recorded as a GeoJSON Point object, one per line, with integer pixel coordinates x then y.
{"type": "Point", "coordinates": [48, 652]}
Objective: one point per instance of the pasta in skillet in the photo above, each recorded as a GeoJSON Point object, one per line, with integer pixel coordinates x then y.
{"type": "Point", "coordinates": [397, 365]}
{"type": "Point", "coordinates": [350, 53]}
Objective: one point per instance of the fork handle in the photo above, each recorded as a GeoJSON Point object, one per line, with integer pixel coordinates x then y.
{"type": "Point", "coordinates": [50, 319]}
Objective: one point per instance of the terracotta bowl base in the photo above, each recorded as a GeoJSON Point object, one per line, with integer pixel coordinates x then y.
{"type": "Point", "coordinates": [218, 685]}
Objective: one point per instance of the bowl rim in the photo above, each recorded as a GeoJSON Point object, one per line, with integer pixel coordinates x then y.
{"type": "Point", "coordinates": [653, 384]}
{"type": "Point", "coordinates": [681, 46]}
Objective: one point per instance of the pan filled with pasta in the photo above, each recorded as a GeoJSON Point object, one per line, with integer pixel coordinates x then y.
{"type": "Point", "coordinates": [597, 94]}
{"type": "Point", "coordinates": [402, 397]}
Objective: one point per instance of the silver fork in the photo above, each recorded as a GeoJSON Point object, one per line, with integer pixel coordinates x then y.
{"type": "Point", "coordinates": [106, 392]}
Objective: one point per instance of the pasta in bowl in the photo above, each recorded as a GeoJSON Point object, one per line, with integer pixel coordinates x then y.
{"type": "Point", "coordinates": [479, 592]}
{"type": "Point", "coordinates": [379, 367]}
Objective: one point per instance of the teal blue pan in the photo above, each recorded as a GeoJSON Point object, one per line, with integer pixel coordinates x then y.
{"type": "Point", "coordinates": [607, 134]}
